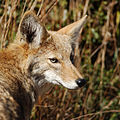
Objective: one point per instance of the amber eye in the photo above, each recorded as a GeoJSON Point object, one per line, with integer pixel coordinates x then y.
{"type": "Point", "coordinates": [54, 60]}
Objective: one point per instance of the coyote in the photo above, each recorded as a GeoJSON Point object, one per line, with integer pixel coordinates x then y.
{"type": "Point", "coordinates": [36, 59]}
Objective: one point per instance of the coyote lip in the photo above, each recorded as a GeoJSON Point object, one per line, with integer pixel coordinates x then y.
{"type": "Point", "coordinates": [65, 85]}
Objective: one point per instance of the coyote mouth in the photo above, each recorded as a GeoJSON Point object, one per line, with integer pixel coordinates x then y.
{"type": "Point", "coordinates": [68, 85]}
{"type": "Point", "coordinates": [56, 82]}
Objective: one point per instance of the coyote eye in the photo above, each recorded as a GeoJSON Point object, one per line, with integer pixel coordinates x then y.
{"type": "Point", "coordinates": [54, 60]}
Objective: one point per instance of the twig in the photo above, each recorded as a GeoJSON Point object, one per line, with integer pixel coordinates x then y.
{"type": "Point", "coordinates": [40, 8]}
{"type": "Point", "coordinates": [50, 106]}
{"type": "Point", "coordinates": [24, 8]}
{"type": "Point", "coordinates": [97, 113]}
{"type": "Point", "coordinates": [85, 7]}
{"type": "Point", "coordinates": [96, 50]}
{"type": "Point", "coordinates": [34, 4]}
{"type": "Point", "coordinates": [49, 9]}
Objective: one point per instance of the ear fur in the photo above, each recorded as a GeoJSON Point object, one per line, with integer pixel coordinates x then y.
{"type": "Point", "coordinates": [32, 31]}
{"type": "Point", "coordinates": [73, 29]}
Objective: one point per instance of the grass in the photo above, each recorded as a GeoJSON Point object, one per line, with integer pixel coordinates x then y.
{"type": "Point", "coordinates": [97, 56]}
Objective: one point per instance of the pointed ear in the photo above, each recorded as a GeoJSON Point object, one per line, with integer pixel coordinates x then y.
{"type": "Point", "coordinates": [73, 29]}
{"type": "Point", "coordinates": [31, 30]}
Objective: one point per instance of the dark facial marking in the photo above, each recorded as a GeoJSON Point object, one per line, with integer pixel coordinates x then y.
{"type": "Point", "coordinates": [72, 53]}
{"type": "Point", "coordinates": [38, 77]}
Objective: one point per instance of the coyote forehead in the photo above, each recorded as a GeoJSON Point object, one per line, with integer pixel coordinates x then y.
{"type": "Point", "coordinates": [61, 42]}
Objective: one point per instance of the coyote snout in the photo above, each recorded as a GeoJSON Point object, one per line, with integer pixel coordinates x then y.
{"type": "Point", "coordinates": [37, 58]}
{"type": "Point", "coordinates": [65, 74]}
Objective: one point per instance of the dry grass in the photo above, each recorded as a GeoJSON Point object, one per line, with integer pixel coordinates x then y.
{"type": "Point", "coordinates": [97, 55]}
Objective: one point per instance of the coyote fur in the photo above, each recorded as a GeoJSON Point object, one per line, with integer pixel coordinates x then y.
{"type": "Point", "coordinates": [36, 59]}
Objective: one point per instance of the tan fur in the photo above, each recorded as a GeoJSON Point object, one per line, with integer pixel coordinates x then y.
{"type": "Point", "coordinates": [27, 66]}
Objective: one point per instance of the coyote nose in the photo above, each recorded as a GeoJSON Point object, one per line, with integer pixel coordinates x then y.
{"type": "Point", "coordinates": [81, 82]}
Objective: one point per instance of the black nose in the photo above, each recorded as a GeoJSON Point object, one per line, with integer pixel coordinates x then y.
{"type": "Point", "coordinates": [81, 82]}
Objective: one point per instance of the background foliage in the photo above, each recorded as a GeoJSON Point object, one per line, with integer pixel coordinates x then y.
{"type": "Point", "coordinates": [97, 56]}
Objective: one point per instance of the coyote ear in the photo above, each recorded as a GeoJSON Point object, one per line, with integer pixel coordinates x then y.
{"type": "Point", "coordinates": [73, 29]}
{"type": "Point", "coordinates": [32, 31]}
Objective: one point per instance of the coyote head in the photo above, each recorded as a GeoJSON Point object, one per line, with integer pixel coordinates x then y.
{"type": "Point", "coordinates": [48, 53]}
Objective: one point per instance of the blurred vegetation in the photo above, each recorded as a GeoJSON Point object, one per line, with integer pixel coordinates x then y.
{"type": "Point", "coordinates": [97, 56]}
